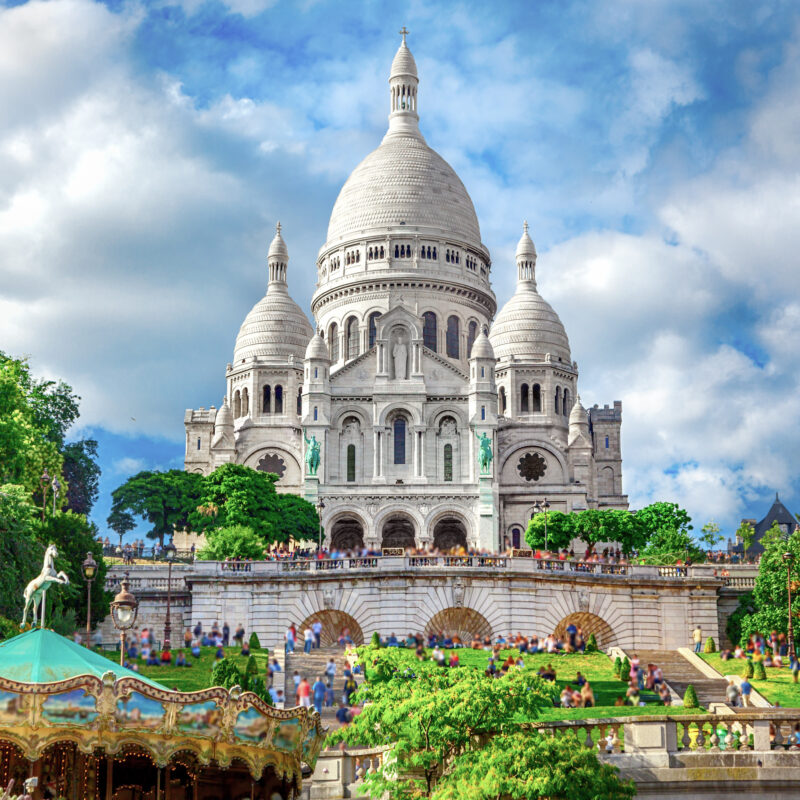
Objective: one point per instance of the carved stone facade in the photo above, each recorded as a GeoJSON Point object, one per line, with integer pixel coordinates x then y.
{"type": "Point", "coordinates": [404, 373]}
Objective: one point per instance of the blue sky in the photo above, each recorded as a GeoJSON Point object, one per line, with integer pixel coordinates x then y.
{"type": "Point", "coordinates": [148, 149]}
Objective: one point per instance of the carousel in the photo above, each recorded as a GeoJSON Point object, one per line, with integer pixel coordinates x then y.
{"type": "Point", "coordinates": [75, 726]}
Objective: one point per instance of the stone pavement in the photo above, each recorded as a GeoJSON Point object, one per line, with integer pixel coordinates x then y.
{"type": "Point", "coordinates": [679, 673]}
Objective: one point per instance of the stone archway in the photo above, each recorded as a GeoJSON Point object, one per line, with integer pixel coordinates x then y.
{"type": "Point", "coordinates": [347, 533]}
{"type": "Point", "coordinates": [588, 623]}
{"type": "Point", "coordinates": [466, 623]}
{"type": "Point", "coordinates": [333, 623]}
{"type": "Point", "coordinates": [449, 533]}
{"type": "Point", "coordinates": [398, 531]}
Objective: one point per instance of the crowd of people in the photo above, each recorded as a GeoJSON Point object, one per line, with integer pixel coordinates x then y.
{"type": "Point", "coordinates": [772, 651]}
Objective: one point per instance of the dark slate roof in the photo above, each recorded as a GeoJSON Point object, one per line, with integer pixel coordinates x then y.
{"type": "Point", "coordinates": [777, 513]}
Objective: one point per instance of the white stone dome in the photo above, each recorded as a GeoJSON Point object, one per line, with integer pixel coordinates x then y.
{"type": "Point", "coordinates": [404, 183]}
{"type": "Point", "coordinates": [482, 347]}
{"type": "Point", "coordinates": [278, 248]}
{"type": "Point", "coordinates": [276, 327]}
{"type": "Point", "coordinates": [528, 328]}
{"type": "Point", "coordinates": [317, 349]}
{"type": "Point", "coordinates": [403, 62]}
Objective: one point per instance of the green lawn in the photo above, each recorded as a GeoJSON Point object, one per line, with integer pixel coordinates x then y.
{"type": "Point", "coordinates": [778, 688]}
{"type": "Point", "coordinates": [198, 676]}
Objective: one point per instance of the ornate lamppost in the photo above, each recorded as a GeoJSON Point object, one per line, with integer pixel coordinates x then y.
{"type": "Point", "coordinates": [44, 482]}
{"type": "Point", "coordinates": [544, 506]}
{"type": "Point", "coordinates": [89, 569]}
{"type": "Point", "coordinates": [169, 553]}
{"type": "Point", "coordinates": [124, 609]}
{"type": "Point", "coordinates": [789, 561]}
{"type": "Point", "coordinates": [320, 509]}
{"type": "Point", "coordinates": [56, 485]}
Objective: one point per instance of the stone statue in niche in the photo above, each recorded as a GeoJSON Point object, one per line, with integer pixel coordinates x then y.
{"type": "Point", "coordinates": [351, 427]}
{"type": "Point", "coordinates": [400, 358]}
{"type": "Point", "coordinates": [448, 427]}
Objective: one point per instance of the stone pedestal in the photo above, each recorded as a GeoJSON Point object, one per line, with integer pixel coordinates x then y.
{"type": "Point", "coordinates": [487, 514]}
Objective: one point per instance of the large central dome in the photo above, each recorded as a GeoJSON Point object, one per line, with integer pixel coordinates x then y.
{"type": "Point", "coordinates": [404, 182]}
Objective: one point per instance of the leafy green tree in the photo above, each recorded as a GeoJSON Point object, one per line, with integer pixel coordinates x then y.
{"type": "Point", "coordinates": [667, 546]}
{"type": "Point", "coordinates": [235, 541]}
{"type": "Point", "coordinates": [662, 516]}
{"type": "Point", "coordinates": [747, 533]}
{"type": "Point", "coordinates": [520, 766]}
{"type": "Point", "coordinates": [710, 535]}
{"type": "Point", "coordinates": [121, 522]}
{"type": "Point", "coordinates": [759, 672]}
{"type": "Point", "coordinates": [82, 474]}
{"type": "Point", "coordinates": [773, 535]}
{"type": "Point", "coordinates": [559, 528]}
{"type": "Point", "coordinates": [239, 495]}
{"type": "Point", "coordinates": [770, 597]}
{"type": "Point", "coordinates": [449, 729]}
{"type": "Point", "coordinates": [733, 625]}
{"type": "Point", "coordinates": [166, 500]}
{"type": "Point", "coordinates": [226, 674]}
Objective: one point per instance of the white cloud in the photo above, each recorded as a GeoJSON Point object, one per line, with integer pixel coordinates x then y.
{"type": "Point", "coordinates": [129, 466]}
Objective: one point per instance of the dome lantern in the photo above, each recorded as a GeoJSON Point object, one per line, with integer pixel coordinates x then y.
{"type": "Point", "coordinates": [526, 257]}
{"type": "Point", "coordinates": [278, 258]}
{"type": "Point", "coordinates": [403, 84]}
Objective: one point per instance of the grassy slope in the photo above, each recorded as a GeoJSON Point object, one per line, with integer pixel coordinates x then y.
{"type": "Point", "coordinates": [778, 688]}
{"type": "Point", "coordinates": [198, 676]}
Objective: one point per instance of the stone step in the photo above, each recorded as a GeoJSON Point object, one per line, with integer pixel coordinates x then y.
{"type": "Point", "coordinates": [679, 673]}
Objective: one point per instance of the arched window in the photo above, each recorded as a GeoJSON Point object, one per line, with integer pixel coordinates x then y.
{"type": "Point", "coordinates": [373, 329]}
{"type": "Point", "coordinates": [237, 405]}
{"type": "Point", "coordinates": [300, 401]}
{"type": "Point", "coordinates": [472, 335]}
{"type": "Point", "coordinates": [558, 399]}
{"type": "Point", "coordinates": [429, 330]}
{"type": "Point", "coordinates": [352, 338]}
{"type": "Point", "coordinates": [447, 256]}
{"type": "Point", "coordinates": [516, 538]}
{"type": "Point", "coordinates": [279, 399]}
{"type": "Point", "coordinates": [315, 413]}
{"type": "Point", "coordinates": [566, 408]}
{"type": "Point", "coordinates": [448, 462]}
{"type": "Point", "coordinates": [396, 251]}
{"type": "Point", "coordinates": [402, 251]}
{"type": "Point", "coordinates": [523, 399]}
{"type": "Point", "coordinates": [381, 252]}
{"type": "Point", "coordinates": [452, 337]}
{"type": "Point", "coordinates": [434, 254]}
{"type": "Point", "coordinates": [266, 400]}
{"type": "Point", "coordinates": [245, 402]}
{"type": "Point", "coordinates": [483, 412]}
{"type": "Point", "coordinates": [399, 429]}
{"type": "Point", "coordinates": [351, 463]}
{"type": "Point", "coordinates": [333, 342]}
{"type": "Point", "coordinates": [502, 400]}
{"type": "Point", "coordinates": [537, 397]}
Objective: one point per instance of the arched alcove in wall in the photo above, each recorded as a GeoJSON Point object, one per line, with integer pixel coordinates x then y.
{"type": "Point", "coordinates": [347, 533]}
{"type": "Point", "coordinates": [466, 623]}
{"type": "Point", "coordinates": [449, 533]}
{"type": "Point", "coordinates": [398, 531]}
{"type": "Point", "coordinates": [588, 623]}
{"type": "Point", "coordinates": [334, 623]}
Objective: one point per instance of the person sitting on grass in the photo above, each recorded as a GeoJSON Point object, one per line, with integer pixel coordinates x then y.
{"type": "Point", "coordinates": [343, 715]}
{"type": "Point", "coordinates": [392, 641]}
{"type": "Point", "coordinates": [454, 660]}
{"type": "Point", "coordinates": [566, 697]}
{"type": "Point", "coordinates": [549, 673]}
{"type": "Point", "coordinates": [132, 651]}
{"type": "Point", "coordinates": [580, 680]}
{"type": "Point", "coordinates": [245, 651]}
{"type": "Point", "coordinates": [632, 695]}
{"type": "Point", "coordinates": [181, 661]}
{"type": "Point", "coordinates": [195, 649]}
{"type": "Point", "coordinates": [664, 695]}
{"type": "Point", "coordinates": [220, 654]}
{"type": "Point", "coordinates": [587, 695]}
{"type": "Point", "coordinates": [520, 662]}
{"type": "Point", "coordinates": [166, 656]}
{"type": "Point", "coordinates": [620, 701]}
{"type": "Point", "coordinates": [152, 660]}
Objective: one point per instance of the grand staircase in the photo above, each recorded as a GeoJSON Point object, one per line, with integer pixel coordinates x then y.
{"type": "Point", "coordinates": [312, 665]}
{"type": "Point", "coordinates": [679, 673]}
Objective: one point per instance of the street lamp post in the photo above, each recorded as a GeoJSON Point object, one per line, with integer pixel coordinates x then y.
{"type": "Point", "coordinates": [169, 554]}
{"type": "Point", "coordinates": [320, 509]}
{"type": "Point", "coordinates": [544, 506]}
{"type": "Point", "coordinates": [89, 568]}
{"type": "Point", "coordinates": [789, 559]}
{"type": "Point", "coordinates": [56, 492]}
{"type": "Point", "coordinates": [44, 482]}
{"type": "Point", "coordinates": [124, 609]}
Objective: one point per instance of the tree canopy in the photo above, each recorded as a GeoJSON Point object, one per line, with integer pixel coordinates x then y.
{"type": "Point", "coordinates": [234, 541]}
{"type": "Point", "coordinates": [450, 732]}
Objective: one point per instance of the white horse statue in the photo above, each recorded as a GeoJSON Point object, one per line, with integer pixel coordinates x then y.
{"type": "Point", "coordinates": [36, 590]}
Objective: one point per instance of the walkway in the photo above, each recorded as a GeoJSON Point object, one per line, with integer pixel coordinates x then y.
{"type": "Point", "coordinates": [679, 673]}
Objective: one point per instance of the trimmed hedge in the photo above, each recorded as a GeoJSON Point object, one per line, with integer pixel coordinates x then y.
{"type": "Point", "coordinates": [748, 669]}
{"type": "Point", "coordinates": [591, 644]}
{"type": "Point", "coordinates": [759, 673]}
{"type": "Point", "coordinates": [710, 647]}
{"type": "Point", "coordinates": [254, 643]}
{"type": "Point", "coordinates": [690, 698]}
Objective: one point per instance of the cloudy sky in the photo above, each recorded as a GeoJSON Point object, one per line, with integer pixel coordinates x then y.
{"type": "Point", "coordinates": [147, 149]}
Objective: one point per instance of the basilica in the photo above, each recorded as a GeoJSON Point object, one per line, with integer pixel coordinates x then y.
{"type": "Point", "coordinates": [411, 412]}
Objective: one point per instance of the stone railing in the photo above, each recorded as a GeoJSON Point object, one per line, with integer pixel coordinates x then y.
{"type": "Point", "coordinates": [739, 581]}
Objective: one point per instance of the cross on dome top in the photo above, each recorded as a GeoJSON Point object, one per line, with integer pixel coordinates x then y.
{"type": "Point", "coordinates": [404, 32]}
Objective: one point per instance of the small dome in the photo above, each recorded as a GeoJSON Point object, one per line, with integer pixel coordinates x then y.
{"type": "Point", "coordinates": [274, 328]}
{"type": "Point", "coordinates": [317, 348]}
{"type": "Point", "coordinates": [528, 328]}
{"type": "Point", "coordinates": [278, 248]}
{"type": "Point", "coordinates": [578, 415]}
{"type": "Point", "coordinates": [403, 62]}
{"type": "Point", "coordinates": [224, 416]}
{"type": "Point", "coordinates": [526, 248]}
{"type": "Point", "coordinates": [482, 347]}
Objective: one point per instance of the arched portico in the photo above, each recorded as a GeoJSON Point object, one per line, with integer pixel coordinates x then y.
{"type": "Point", "coordinates": [589, 624]}
{"type": "Point", "coordinates": [347, 533]}
{"type": "Point", "coordinates": [335, 623]}
{"type": "Point", "coordinates": [398, 531]}
{"type": "Point", "coordinates": [449, 533]}
{"type": "Point", "coordinates": [465, 623]}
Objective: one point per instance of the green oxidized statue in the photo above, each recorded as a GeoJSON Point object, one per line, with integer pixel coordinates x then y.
{"type": "Point", "coordinates": [312, 453]}
{"type": "Point", "coordinates": [484, 453]}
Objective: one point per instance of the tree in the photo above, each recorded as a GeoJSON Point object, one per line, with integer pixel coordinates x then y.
{"type": "Point", "coordinates": [164, 499]}
{"type": "Point", "coordinates": [690, 697]}
{"type": "Point", "coordinates": [710, 536]}
{"type": "Point", "coordinates": [662, 516]}
{"type": "Point", "coordinates": [747, 533]}
{"type": "Point", "coordinates": [560, 529]}
{"type": "Point", "coordinates": [667, 546]}
{"type": "Point", "coordinates": [770, 597]}
{"type": "Point", "coordinates": [445, 727]}
{"type": "Point", "coordinates": [121, 522]}
{"type": "Point", "coordinates": [235, 541]}
{"type": "Point", "coordinates": [82, 475]}
{"type": "Point", "coordinates": [773, 535]}
{"type": "Point", "coordinates": [239, 495]}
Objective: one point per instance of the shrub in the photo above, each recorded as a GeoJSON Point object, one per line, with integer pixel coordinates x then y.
{"type": "Point", "coordinates": [748, 669]}
{"type": "Point", "coordinates": [226, 674]}
{"type": "Point", "coordinates": [591, 644]}
{"type": "Point", "coordinates": [257, 686]}
{"type": "Point", "coordinates": [625, 670]}
{"type": "Point", "coordinates": [252, 666]}
{"type": "Point", "coordinates": [690, 698]}
{"type": "Point", "coordinates": [254, 643]}
{"type": "Point", "coordinates": [709, 646]}
{"type": "Point", "coordinates": [375, 641]}
{"type": "Point", "coordinates": [617, 666]}
{"type": "Point", "coordinates": [759, 673]}
{"type": "Point", "coordinates": [8, 628]}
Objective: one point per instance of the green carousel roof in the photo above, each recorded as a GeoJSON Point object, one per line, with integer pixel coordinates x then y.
{"type": "Point", "coordinates": [42, 656]}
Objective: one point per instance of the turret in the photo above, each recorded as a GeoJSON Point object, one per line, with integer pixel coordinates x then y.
{"type": "Point", "coordinates": [483, 404]}
{"type": "Point", "coordinates": [316, 385]}
{"type": "Point", "coordinates": [526, 258]}
{"type": "Point", "coordinates": [223, 446]}
{"type": "Point", "coordinates": [403, 83]}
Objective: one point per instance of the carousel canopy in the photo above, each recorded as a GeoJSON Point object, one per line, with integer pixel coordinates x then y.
{"type": "Point", "coordinates": [42, 656]}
